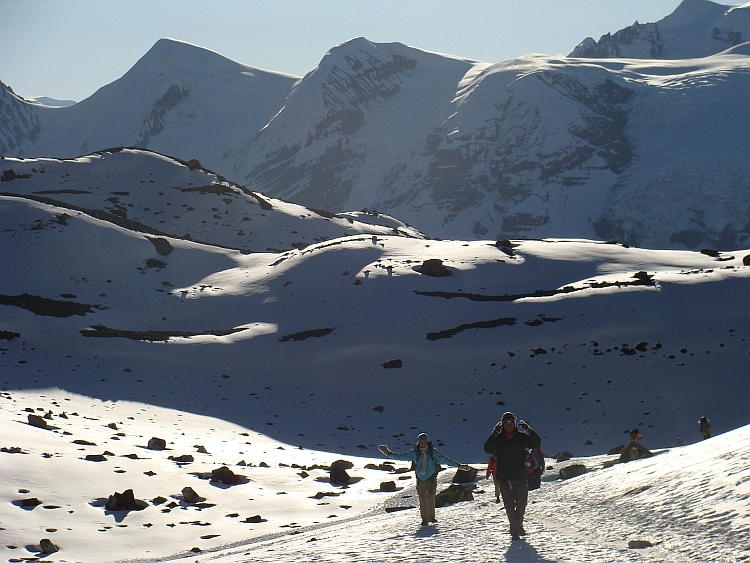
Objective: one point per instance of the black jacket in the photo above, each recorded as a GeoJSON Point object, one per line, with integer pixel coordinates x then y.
{"type": "Point", "coordinates": [511, 453]}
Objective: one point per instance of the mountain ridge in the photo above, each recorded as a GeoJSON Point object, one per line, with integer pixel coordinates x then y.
{"type": "Point", "coordinates": [635, 150]}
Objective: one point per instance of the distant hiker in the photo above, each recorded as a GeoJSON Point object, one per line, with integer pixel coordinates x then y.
{"type": "Point", "coordinates": [426, 459]}
{"type": "Point", "coordinates": [704, 425]}
{"type": "Point", "coordinates": [635, 435]}
{"type": "Point", "coordinates": [510, 443]}
{"type": "Point", "coordinates": [491, 472]}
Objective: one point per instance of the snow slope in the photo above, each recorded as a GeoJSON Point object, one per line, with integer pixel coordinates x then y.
{"type": "Point", "coordinates": [585, 339]}
{"type": "Point", "coordinates": [158, 195]}
{"type": "Point", "coordinates": [689, 504]}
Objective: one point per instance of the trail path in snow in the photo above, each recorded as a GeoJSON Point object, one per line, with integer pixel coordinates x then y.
{"type": "Point", "coordinates": [465, 532]}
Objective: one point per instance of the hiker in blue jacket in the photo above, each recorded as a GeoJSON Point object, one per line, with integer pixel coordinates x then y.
{"type": "Point", "coordinates": [426, 458]}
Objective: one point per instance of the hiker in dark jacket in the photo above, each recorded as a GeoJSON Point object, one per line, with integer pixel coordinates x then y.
{"type": "Point", "coordinates": [425, 457]}
{"type": "Point", "coordinates": [510, 443]}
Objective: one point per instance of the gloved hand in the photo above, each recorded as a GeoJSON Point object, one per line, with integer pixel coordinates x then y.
{"type": "Point", "coordinates": [464, 467]}
{"type": "Point", "coordinates": [498, 429]}
{"type": "Point", "coordinates": [523, 428]}
{"type": "Point", "coordinates": [384, 450]}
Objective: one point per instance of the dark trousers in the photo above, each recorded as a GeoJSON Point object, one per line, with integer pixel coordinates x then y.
{"type": "Point", "coordinates": [426, 490]}
{"type": "Point", "coordinates": [515, 497]}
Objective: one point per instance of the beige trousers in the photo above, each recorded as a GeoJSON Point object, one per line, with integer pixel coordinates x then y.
{"type": "Point", "coordinates": [426, 491]}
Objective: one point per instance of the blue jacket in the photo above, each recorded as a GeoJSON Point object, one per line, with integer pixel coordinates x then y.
{"type": "Point", "coordinates": [433, 456]}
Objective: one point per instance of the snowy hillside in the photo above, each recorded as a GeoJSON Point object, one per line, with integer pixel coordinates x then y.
{"type": "Point", "coordinates": [686, 504]}
{"type": "Point", "coordinates": [697, 28]}
{"type": "Point", "coordinates": [652, 153]}
{"type": "Point", "coordinates": [157, 195]}
{"type": "Point", "coordinates": [585, 339]}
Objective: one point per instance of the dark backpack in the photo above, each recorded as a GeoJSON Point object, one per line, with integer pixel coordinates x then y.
{"type": "Point", "coordinates": [534, 469]}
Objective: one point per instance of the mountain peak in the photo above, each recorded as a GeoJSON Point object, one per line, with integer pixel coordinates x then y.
{"type": "Point", "coordinates": [696, 29]}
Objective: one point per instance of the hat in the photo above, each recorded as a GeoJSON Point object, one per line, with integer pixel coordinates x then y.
{"type": "Point", "coordinates": [508, 416]}
{"type": "Point", "coordinates": [423, 436]}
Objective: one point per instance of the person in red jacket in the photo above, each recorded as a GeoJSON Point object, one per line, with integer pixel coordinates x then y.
{"type": "Point", "coordinates": [510, 444]}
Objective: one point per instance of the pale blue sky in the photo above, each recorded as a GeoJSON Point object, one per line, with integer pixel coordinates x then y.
{"type": "Point", "coordinates": [67, 49]}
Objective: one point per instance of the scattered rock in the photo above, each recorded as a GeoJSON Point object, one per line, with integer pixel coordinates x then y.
{"type": "Point", "coordinates": [454, 494]}
{"type": "Point", "coordinates": [390, 364]}
{"type": "Point", "coordinates": [201, 449]}
{"type": "Point", "coordinates": [253, 519]}
{"type": "Point", "coordinates": [191, 496]}
{"type": "Point", "coordinates": [434, 267]}
{"type": "Point", "coordinates": [465, 476]}
{"type": "Point", "coordinates": [379, 408]}
{"type": "Point", "coordinates": [562, 456]}
{"type": "Point", "coordinates": [572, 471]}
{"type": "Point", "coordinates": [634, 451]}
{"type": "Point", "coordinates": [746, 260]}
{"type": "Point", "coordinates": [37, 421]}
{"type": "Point", "coordinates": [639, 544]}
{"type": "Point", "coordinates": [124, 501]}
{"type": "Point", "coordinates": [388, 486]}
{"type": "Point", "coordinates": [162, 245]}
{"type": "Point", "coordinates": [226, 476]}
{"type": "Point", "coordinates": [29, 502]}
{"type": "Point", "coordinates": [158, 444]}
{"type": "Point", "coordinates": [96, 457]}
{"type": "Point", "coordinates": [193, 164]}
{"type": "Point", "coordinates": [616, 450]}
{"type": "Point", "coordinates": [182, 459]}
{"type": "Point", "coordinates": [338, 474]}
{"type": "Point", "coordinates": [48, 547]}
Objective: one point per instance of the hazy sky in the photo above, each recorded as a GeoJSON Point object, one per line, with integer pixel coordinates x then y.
{"type": "Point", "coordinates": [67, 49]}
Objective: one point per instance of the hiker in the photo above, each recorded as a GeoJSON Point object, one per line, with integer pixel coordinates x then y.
{"type": "Point", "coordinates": [510, 442]}
{"type": "Point", "coordinates": [704, 425]}
{"type": "Point", "coordinates": [491, 472]}
{"type": "Point", "coordinates": [635, 435]}
{"type": "Point", "coordinates": [426, 459]}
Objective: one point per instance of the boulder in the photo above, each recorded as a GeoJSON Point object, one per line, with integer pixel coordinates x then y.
{"type": "Point", "coordinates": [434, 267]}
{"type": "Point", "coordinates": [48, 547]}
{"type": "Point", "coordinates": [572, 471]}
{"type": "Point", "coordinates": [634, 451]}
{"type": "Point", "coordinates": [562, 456]}
{"type": "Point", "coordinates": [339, 476]}
{"type": "Point", "coordinates": [191, 496]}
{"type": "Point", "coordinates": [157, 444]}
{"type": "Point", "coordinates": [37, 421]}
{"type": "Point", "coordinates": [454, 494]}
{"type": "Point", "coordinates": [639, 544]}
{"type": "Point", "coordinates": [193, 164]}
{"type": "Point", "coordinates": [465, 476]}
{"type": "Point", "coordinates": [124, 501]}
{"type": "Point", "coordinates": [226, 476]}
{"type": "Point", "coordinates": [388, 486]}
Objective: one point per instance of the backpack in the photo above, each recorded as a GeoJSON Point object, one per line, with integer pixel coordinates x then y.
{"type": "Point", "coordinates": [534, 469]}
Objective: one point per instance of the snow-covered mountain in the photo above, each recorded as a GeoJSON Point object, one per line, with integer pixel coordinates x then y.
{"type": "Point", "coordinates": [697, 28]}
{"type": "Point", "coordinates": [649, 153]}
{"type": "Point", "coordinates": [178, 99]}
{"type": "Point", "coordinates": [639, 152]}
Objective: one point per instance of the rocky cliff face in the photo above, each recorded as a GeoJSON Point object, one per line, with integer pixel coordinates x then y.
{"type": "Point", "coordinates": [19, 122]}
{"type": "Point", "coordinates": [697, 28]}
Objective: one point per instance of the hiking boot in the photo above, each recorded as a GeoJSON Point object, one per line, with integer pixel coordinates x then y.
{"type": "Point", "coordinates": [425, 523]}
{"type": "Point", "coordinates": [521, 531]}
{"type": "Point", "coordinates": [515, 537]}
{"type": "Point", "coordinates": [434, 520]}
